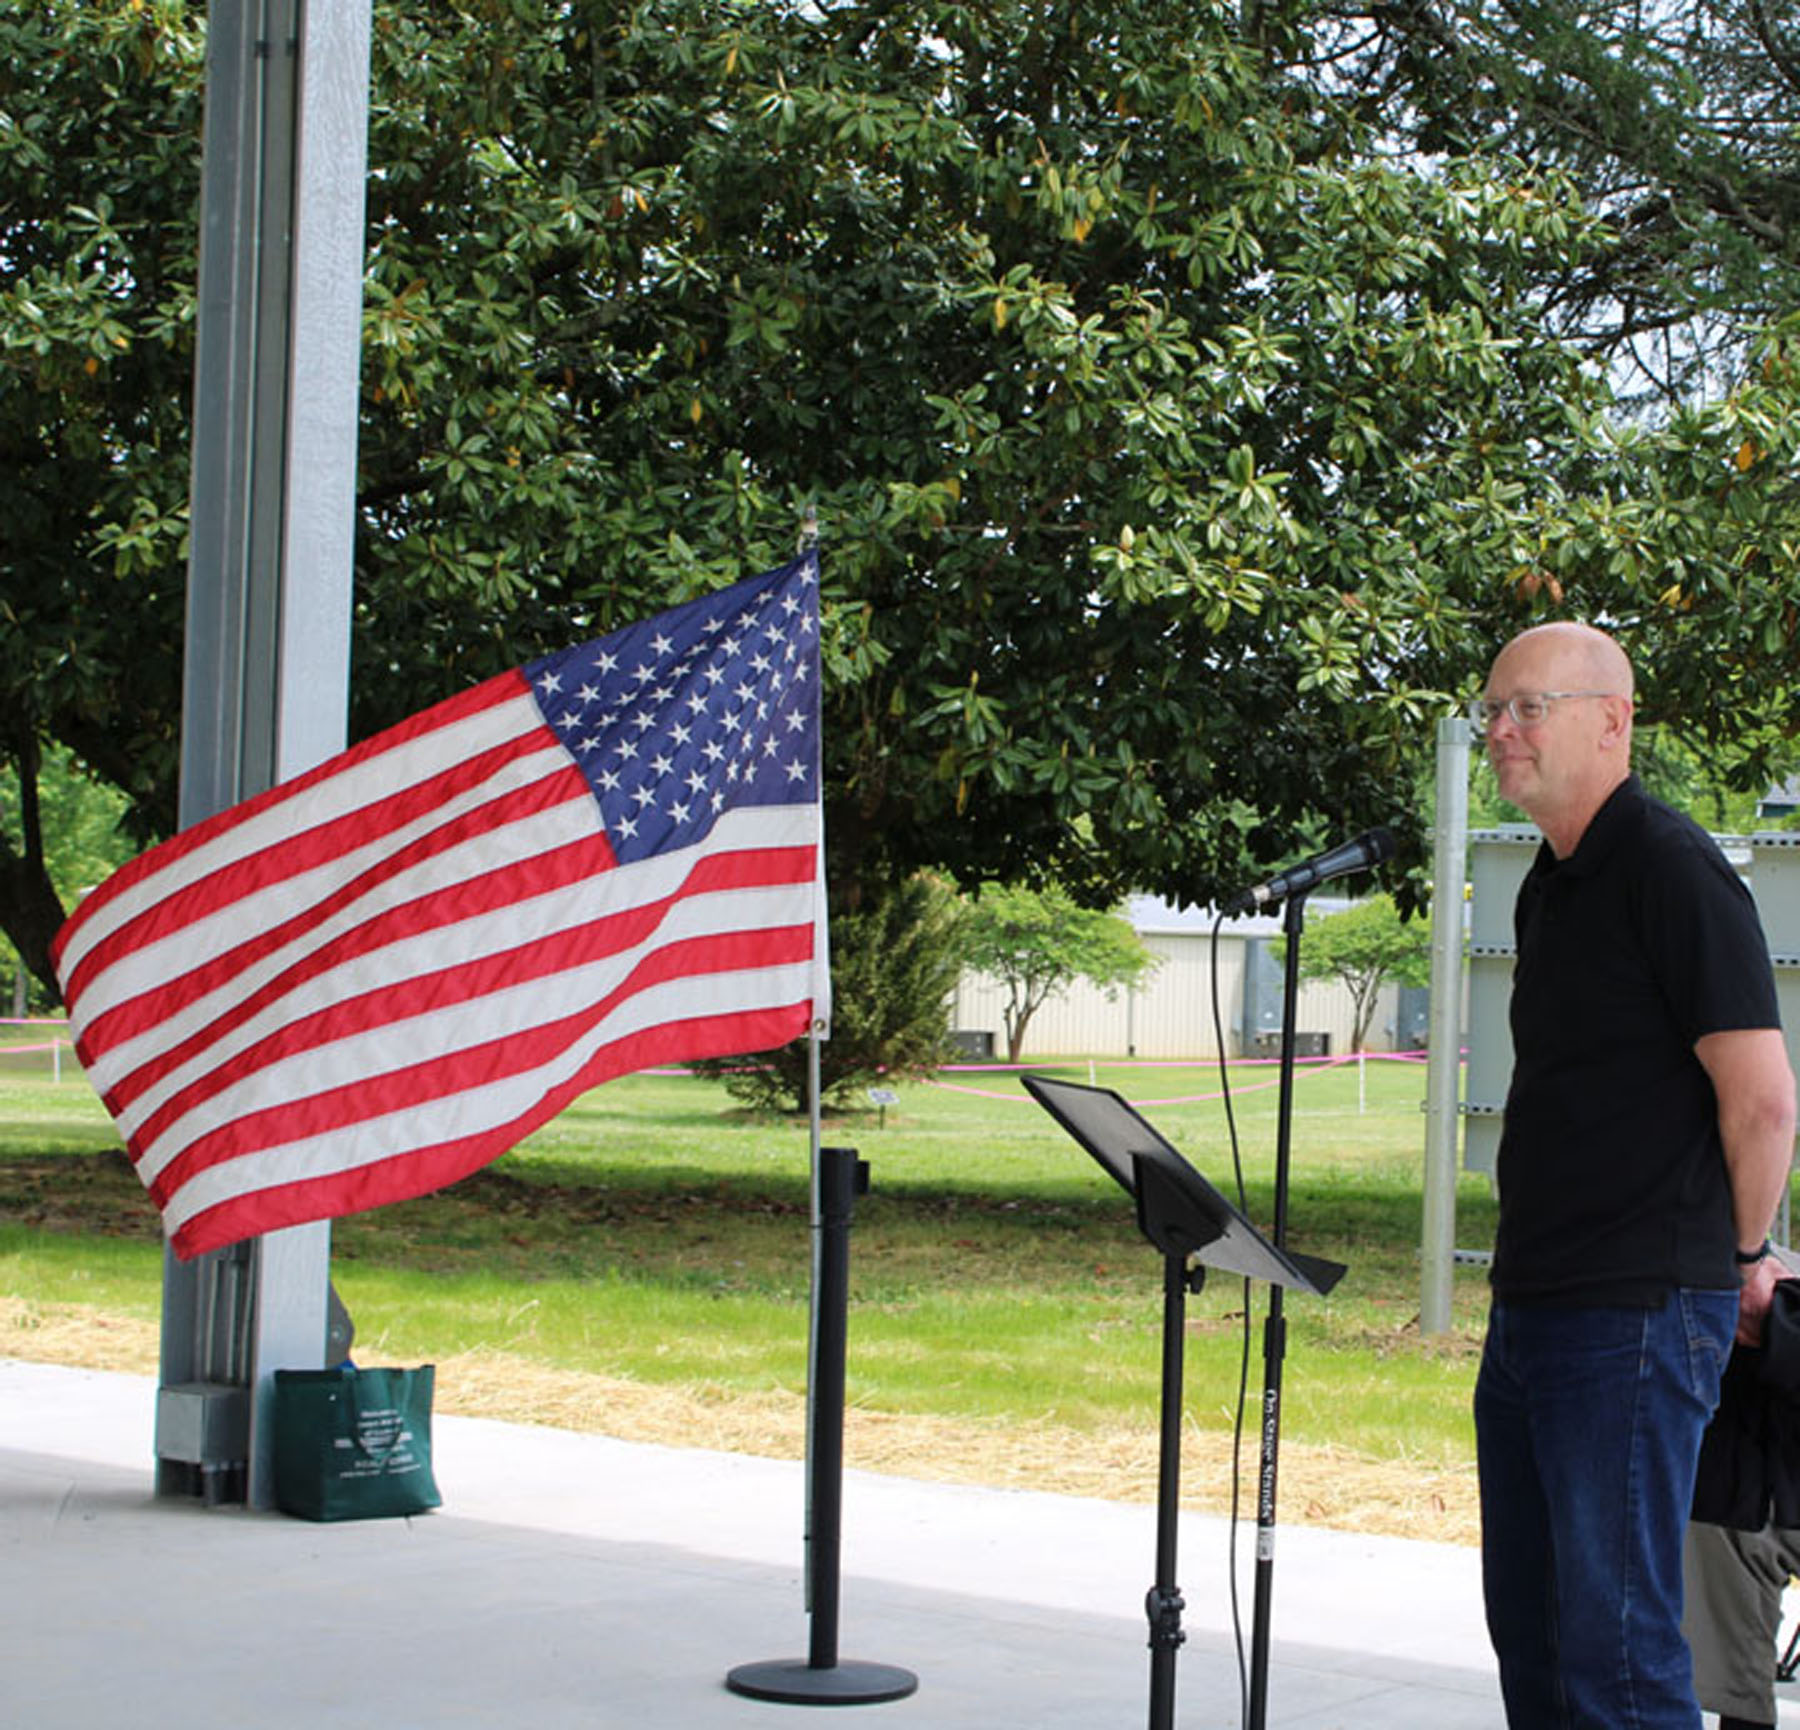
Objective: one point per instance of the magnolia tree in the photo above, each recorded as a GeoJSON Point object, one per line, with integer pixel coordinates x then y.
{"type": "Point", "coordinates": [1676, 122]}
{"type": "Point", "coordinates": [1179, 450]}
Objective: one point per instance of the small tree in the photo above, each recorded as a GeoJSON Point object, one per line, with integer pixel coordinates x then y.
{"type": "Point", "coordinates": [1035, 942]}
{"type": "Point", "coordinates": [894, 965]}
{"type": "Point", "coordinates": [1365, 946]}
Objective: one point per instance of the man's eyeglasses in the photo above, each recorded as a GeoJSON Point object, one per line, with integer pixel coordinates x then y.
{"type": "Point", "coordinates": [1527, 708]}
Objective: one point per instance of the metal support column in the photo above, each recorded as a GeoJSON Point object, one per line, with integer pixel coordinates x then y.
{"type": "Point", "coordinates": [266, 670]}
{"type": "Point", "coordinates": [1443, 1076]}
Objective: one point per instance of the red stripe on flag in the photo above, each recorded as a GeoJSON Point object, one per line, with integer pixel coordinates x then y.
{"type": "Point", "coordinates": [284, 861]}
{"type": "Point", "coordinates": [488, 895]}
{"type": "Point", "coordinates": [292, 856]}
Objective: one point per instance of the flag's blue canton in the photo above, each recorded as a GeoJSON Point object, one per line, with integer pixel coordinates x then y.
{"type": "Point", "coordinates": [710, 705]}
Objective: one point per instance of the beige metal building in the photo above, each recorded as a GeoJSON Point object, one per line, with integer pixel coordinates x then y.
{"type": "Point", "coordinates": [1171, 1014]}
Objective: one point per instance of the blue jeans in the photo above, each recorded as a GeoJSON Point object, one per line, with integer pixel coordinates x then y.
{"type": "Point", "coordinates": [1587, 1429]}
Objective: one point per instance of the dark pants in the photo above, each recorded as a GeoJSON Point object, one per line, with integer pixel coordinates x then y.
{"type": "Point", "coordinates": [1587, 1426]}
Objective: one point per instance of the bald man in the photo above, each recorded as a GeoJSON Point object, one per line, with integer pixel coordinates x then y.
{"type": "Point", "coordinates": [1648, 1131]}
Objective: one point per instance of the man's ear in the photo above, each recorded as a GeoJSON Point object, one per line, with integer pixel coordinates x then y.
{"type": "Point", "coordinates": [1617, 731]}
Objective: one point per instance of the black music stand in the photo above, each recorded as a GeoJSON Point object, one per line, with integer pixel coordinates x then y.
{"type": "Point", "coordinates": [1194, 1227]}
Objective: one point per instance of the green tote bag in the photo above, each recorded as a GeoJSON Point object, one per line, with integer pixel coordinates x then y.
{"type": "Point", "coordinates": [354, 1444]}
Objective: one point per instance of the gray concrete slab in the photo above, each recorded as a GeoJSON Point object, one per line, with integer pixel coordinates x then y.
{"type": "Point", "coordinates": [573, 1579]}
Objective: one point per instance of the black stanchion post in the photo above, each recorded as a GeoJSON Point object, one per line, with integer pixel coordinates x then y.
{"type": "Point", "coordinates": [841, 1176]}
{"type": "Point", "coordinates": [821, 1680]}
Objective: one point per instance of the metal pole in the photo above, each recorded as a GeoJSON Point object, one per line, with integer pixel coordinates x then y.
{"type": "Point", "coordinates": [1443, 1073]}
{"type": "Point", "coordinates": [823, 1679]}
{"type": "Point", "coordinates": [1275, 1333]}
{"type": "Point", "coordinates": [1164, 1604]}
{"type": "Point", "coordinates": [266, 652]}
{"type": "Point", "coordinates": [825, 1521]}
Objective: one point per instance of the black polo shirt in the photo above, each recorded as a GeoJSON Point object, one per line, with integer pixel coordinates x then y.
{"type": "Point", "coordinates": [1611, 1173]}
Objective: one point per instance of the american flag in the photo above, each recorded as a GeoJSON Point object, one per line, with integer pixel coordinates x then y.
{"type": "Point", "coordinates": [369, 981]}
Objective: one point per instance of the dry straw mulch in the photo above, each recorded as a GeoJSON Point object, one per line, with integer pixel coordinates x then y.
{"type": "Point", "coordinates": [1317, 1486]}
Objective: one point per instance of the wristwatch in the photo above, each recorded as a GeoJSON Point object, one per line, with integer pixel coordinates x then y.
{"type": "Point", "coordinates": [1751, 1257]}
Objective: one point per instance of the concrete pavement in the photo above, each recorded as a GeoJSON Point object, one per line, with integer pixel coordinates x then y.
{"type": "Point", "coordinates": [576, 1580]}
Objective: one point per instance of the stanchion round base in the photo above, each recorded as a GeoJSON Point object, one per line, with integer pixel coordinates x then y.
{"type": "Point", "coordinates": [794, 1682]}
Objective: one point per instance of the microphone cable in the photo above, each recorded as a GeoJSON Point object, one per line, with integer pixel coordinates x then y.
{"type": "Point", "coordinates": [1243, 1389]}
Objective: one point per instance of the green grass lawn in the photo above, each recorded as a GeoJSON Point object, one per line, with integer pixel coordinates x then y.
{"type": "Point", "coordinates": [654, 1231]}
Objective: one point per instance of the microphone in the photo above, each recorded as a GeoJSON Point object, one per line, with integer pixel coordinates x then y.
{"type": "Point", "coordinates": [1369, 848]}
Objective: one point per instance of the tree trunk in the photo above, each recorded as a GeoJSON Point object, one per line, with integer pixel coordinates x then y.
{"type": "Point", "coordinates": [31, 913]}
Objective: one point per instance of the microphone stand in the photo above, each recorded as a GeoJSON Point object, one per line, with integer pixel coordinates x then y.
{"type": "Point", "coordinates": [1275, 1330]}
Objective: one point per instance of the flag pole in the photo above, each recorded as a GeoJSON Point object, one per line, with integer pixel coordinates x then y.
{"type": "Point", "coordinates": [821, 1679]}
{"type": "Point", "coordinates": [838, 1176]}
{"type": "Point", "coordinates": [816, 1217]}
{"type": "Point", "coordinates": [823, 1652]}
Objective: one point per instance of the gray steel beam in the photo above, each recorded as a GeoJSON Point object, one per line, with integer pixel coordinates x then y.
{"type": "Point", "coordinates": [266, 669]}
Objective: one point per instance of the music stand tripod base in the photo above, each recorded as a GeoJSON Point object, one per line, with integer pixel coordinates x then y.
{"type": "Point", "coordinates": [1188, 1222]}
{"type": "Point", "coordinates": [795, 1682]}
